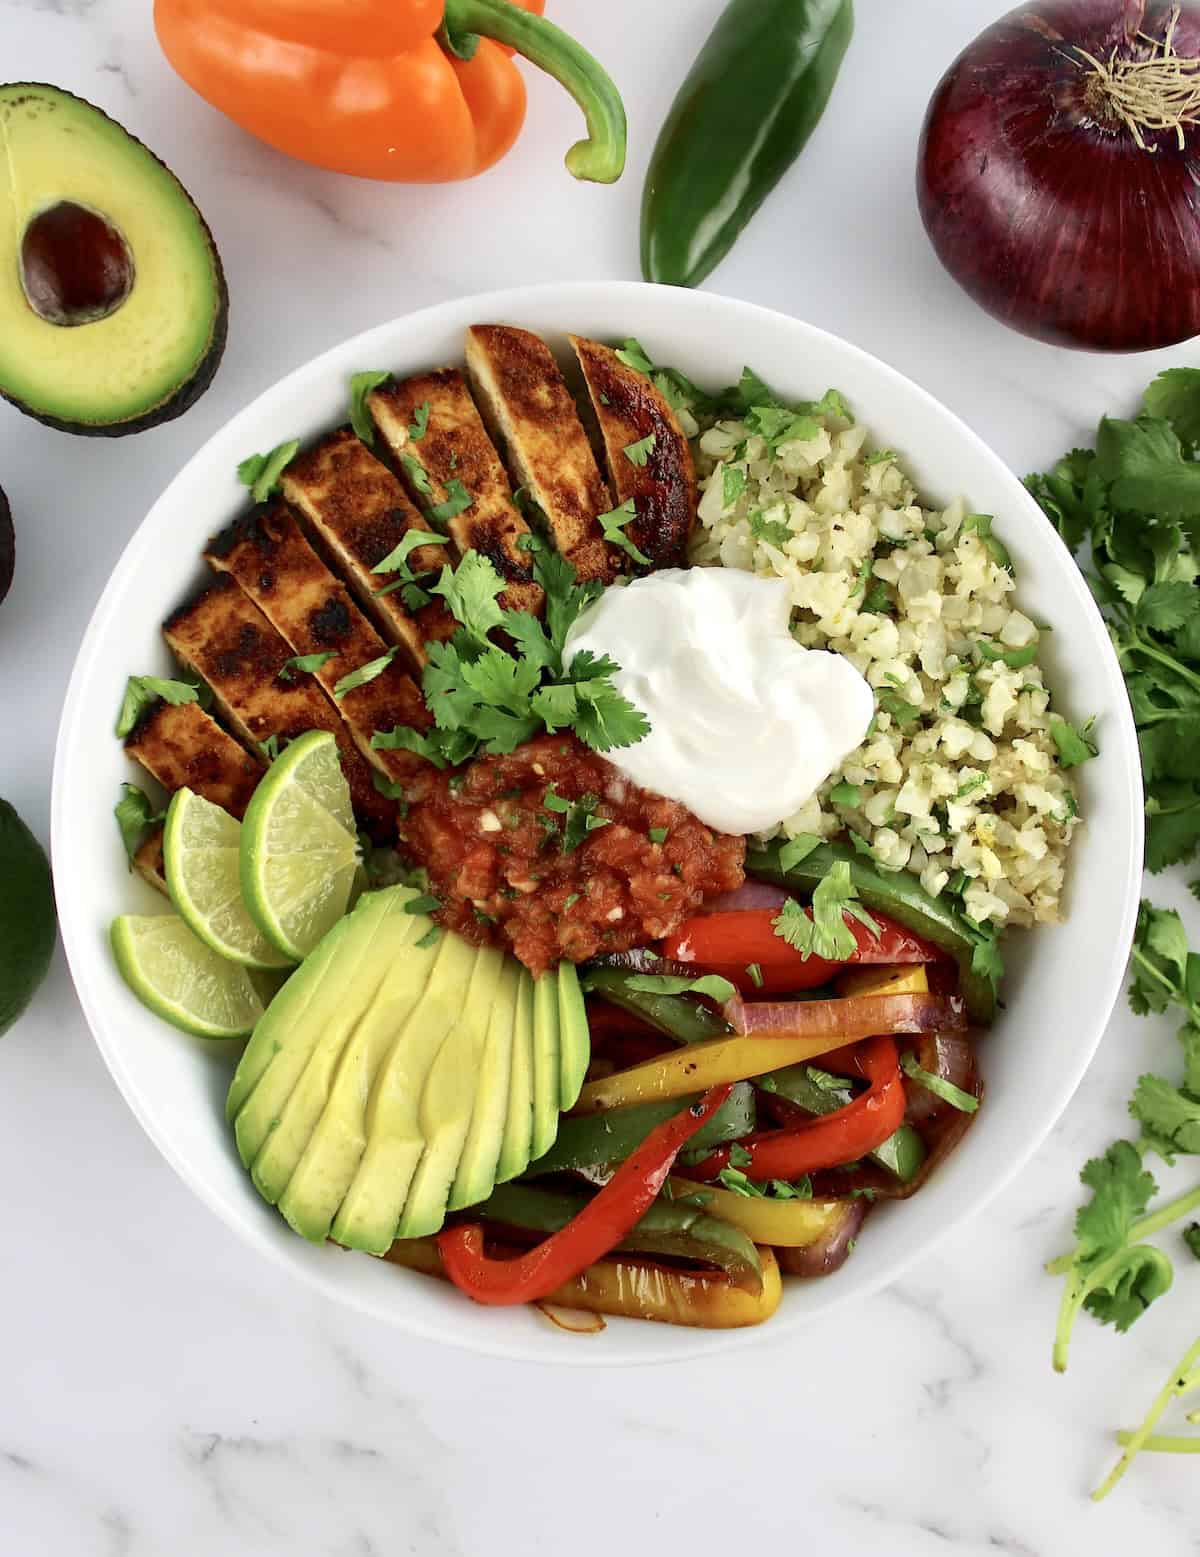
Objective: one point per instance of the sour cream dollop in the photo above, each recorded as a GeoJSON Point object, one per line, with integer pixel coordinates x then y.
{"type": "Point", "coordinates": [745, 723]}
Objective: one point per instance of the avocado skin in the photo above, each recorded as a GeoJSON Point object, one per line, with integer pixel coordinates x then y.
{"type": "Point", "coordinates": [181, 399]}
{"type": "Point", "coordinates": [8, 546]}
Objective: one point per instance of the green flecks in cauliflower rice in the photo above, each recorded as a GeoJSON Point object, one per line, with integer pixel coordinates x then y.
{"type": "Point", "coordinates": [958, 779]}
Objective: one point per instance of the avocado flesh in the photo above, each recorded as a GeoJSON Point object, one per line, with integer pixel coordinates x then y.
{"type": "Point", "coordinates": [477, 1166]}
{"type": "Point", "coordinates": [372, 1208]}
{"type": "Point", "coordinates": [516, 1149]}
{"type": "Point", "coordinates": [575, 1039]}
{"type": "Point", "coordinates": [319, 1004]}
{"type": "Point", "coordinates": [281, 1152]}
{"type": "Point", "coordinates": [326, 1169]}
{"type": "Point", "coordinates": [547, 1084]}
{"type": "Point", "coordinates": [448, 1101]}
{"type": "Point", "coordinates": [156, 353]}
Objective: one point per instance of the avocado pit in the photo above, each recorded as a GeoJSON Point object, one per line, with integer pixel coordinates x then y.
{"type": "Point", "coordinates": [76, 266]}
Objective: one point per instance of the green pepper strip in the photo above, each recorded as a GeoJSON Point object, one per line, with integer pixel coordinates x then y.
{"type": "Point", "coordinates": [600, 158]}
{"type": "Point", "coordinates": [678, 1016]}
{"type": "Point", "coordinates": [902, 1153]}
{"type": "Point", "coordinates": [592, 1143]}
{"type": "Point", "coordinates": [898, 895]}
{"type": "Point", "coordinates": [671, 1227]}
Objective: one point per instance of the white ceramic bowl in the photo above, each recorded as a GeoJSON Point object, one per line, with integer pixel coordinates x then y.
{"type": "Point", "coordinates": [1054, 1017]}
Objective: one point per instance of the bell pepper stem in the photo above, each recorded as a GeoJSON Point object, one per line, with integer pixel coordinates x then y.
{"type": "Point", "coordinates": [600, 158]}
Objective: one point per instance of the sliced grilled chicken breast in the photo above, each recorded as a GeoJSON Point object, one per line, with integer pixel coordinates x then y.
{"type": "Point", "coordinates": [182, 746]}
{"type": "Point", "coordinates": [277, 568]}
{"type": "Point", "coordinates": [359, 512]}
{"type": "Point", "coordinates": [527, 405]}
{"type": "Point", "coordinates": [630, 410]}
{"type": "Point", "coordinates": [223, 636]}
{"type": "Point", "coordinates": [455, 458]}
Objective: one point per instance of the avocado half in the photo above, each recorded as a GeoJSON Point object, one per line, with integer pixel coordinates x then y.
{"type": "Point", "coordinates": [113, 304]}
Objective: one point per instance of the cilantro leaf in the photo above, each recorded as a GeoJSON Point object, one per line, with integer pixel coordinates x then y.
{"type": "Point", "coordinates": [579, 817]}
{"type": "Point", "coordinates": [308, 663]}
{"type": "Point", "coordinates": [361, 385]}
{"type": "Point", "coordinates": [633, 354]}
{"type": "Point", "coordinates": [135, 817]}
{"type": "Point", "coordinates": [773, 531]}
{"type": "Point", "coordinates": [638, 453]}
{"type": "Point", "coordinates": [444, 748]}
{"type": "Point", "coordinates": [733, 484]}
{"type": "Point", "coordinates": [457, 500]}
{"type": "Point", "coordinates": [261, 472]}
{"type": "Point", "coordinates": [529, 636]}
{"type": "Point", "coordinates": [396, 560]}
{"type": "Point", "coordinates": [470, 591]}
{"type": "Point", "coordinates": [566, 599]}
{"type": "Point", "coordinates": [1174, 396]}
{"type": "Point", "coordinates": [711, 984]}
{"type": "Point", "coordinates": [417, 475]}
{"type": "Point", "coordinates": [419, 425]}
{"type": "Point", "coordinates": [141, 691]}
{"type": "Point", "coordinates": [1168, 1115]}
{"type": "Point", "coordinates": [1074, 745]}
{"type": "Point", "coordinates": [613, 524]}
{"type": "Point", "coordinates": [1121, 1191]}
{"type": "Point", "coordinates": [843, 794]}
{"type": "Point", "coordinates": [605, 720]}
{"type": "Point", "coordinates": [903, 713]}
{"type": "Point", "coordinates": [1144, 464]}
{"type": "Point", "coordinates": [938, 1085]}
{"type": "Point", "coordinates": [364, 673]}
{"type": "Point", "coordinates": [823, 930]}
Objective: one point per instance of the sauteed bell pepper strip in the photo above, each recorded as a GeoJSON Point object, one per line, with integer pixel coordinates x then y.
{"type": "Point", "coordinates": [903, 898]}
{"type": "Point", "coordinates": [699, 1065]}
{"type": "Point", "coordinates": [681, 1229]}
{"type": "Point", "coordinates": [731, 942]}
{"type": "Point", "coordinates": [902, 1153]}
{"type": "Point", "coordinates": [784, 1224]}
{"type": "Point", "coordinates": [637, 1290]}
{"type": "Point", "coordinates": [601, 1224]}
{"type": "Point", "coordinates": [851, 1133]}
{"type": "Point", "coordinates": [404, 90]}
{"type": "Point", "coordinates": [679, 1017]}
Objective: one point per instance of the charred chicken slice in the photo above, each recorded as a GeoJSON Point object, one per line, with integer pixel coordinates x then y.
{"type": "Point", "coordinates": [649, 461]}
{"type": "Point", "coordinates": [276, 567]}
{"type": "Point", "coordinates": [226, 640]}
{"type": "Point", "coordinates": [359, 513]}
{"type": "Point", "coordinates": [526, 402]}
{"type": "Point", "coordinates": [451, 467]}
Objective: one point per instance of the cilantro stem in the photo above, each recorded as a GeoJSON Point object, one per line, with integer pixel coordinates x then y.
{"type": "Point", "coordinates": [1140, 645]}
{"type": "Point", "coordinates": [1162, 1443]}
{"type": "Point", "coordinates": [1141, 1230]}
{"type": "Point", "coordinates": [1075, 1291]}
{"type": "Point", "coordinates": [1176, 1385]}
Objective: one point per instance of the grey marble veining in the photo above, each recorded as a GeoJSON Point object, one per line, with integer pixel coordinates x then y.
{"type": "Point", "coordinates": [164, 1391]}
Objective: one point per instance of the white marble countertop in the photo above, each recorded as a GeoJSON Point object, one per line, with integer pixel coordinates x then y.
{"type": "Point", "coordinates": [165, 1390]}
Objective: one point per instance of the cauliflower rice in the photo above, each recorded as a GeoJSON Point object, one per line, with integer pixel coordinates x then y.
{"type": "Point", "coordinates": [958, 780]}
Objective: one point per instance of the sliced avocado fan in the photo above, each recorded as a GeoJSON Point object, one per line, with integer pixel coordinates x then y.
{"type": "Point", "coordinates": [113, 306]}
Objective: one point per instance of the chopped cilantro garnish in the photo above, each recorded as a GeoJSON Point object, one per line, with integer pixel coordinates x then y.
{"type": "Point", "coordinates": [902, 713]}
{"type": "Point", "coordinates": [272, 746]}
{"type": "Point", "coordinates": [417, 474]}
{"type": "Point", "coordinates": [733, 484]}
{"type": "Point", "coordinates": [361, 385]}
{"type": "Point", "coordinates": [261, 472]}
{"type": "Point", "coordinates": [135, 817]}
{"type": "Point", "coordinates": [1074, 745]}
{"type": "Point", "coordinates": [1015, 659]}
{"type": "Point", "coordinates": [754, 973]}
{"type": "Point", "coordinates": [969, 786]}
{"type": "Point", "coordinates": [308, 663]}
{"type": "Point", "coordinates": [425, 903]}
{"type": "Point", "coordinates": [848, 795]}
{"type": "Point", "coordinates": [141, 691]}
{"type": "Point", "coordinates": [396, 560]}
{"type": "Point", "coordinates": [430, 938]}
{"type": "Point", "coordinates": [824, 932]}
{"type": "Point", "coordinates": [457, 500]}
{"type": "Point", "coordinates": [419, 425]}
{"type": "Point", "coordinates": [772, 531]}
{"type": "Point", "coordinates": [711, 984]}
{"type": "Point", "coordinates": [938, 1085]}
{"type": "Point", "coordinates": [638, 453]}
{"type": "Point", "coordinates": [364, 673]}
{"type": "Point", "coordinates": [613, 525]}
{"type": "Point", "coordinates": [658, 834]}
{"type": "Point", "coordinates": [633, 354]}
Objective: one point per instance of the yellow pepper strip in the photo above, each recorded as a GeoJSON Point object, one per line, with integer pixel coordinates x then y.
{"type": "Point", "coordinates": [639, 1291]}
{"type": "Point", "coordinates": [788, 1224]}
{"type": "Point", "coordinates": [899, 979]}
{"type": "Point", "coordinates": [698, 1067]}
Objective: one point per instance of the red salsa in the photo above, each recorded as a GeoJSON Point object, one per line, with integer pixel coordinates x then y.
{"type": "Point", "coordinates": [554, 851]}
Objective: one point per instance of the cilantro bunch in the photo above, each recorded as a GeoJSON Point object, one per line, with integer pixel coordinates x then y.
{"type": "Point", "coordinates": [1134, 502]}
{"type": "Point", "coordinates": [487, 697]}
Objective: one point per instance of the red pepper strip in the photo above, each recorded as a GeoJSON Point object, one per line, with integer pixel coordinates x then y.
{"type": "Point", "coordinates": [845, 1136]}
{"type": "Point", "coordinates": [602, 1223]}
{"type": "Point", "coordinates": [729, 942]}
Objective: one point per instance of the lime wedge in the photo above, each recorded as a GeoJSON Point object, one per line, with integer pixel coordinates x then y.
{"type": "Point", "coordinates": [201, 853]}
{"type": "Point", "coordinates": [181, 979]}
{"type": "Point", "coordinates": [299, 846]}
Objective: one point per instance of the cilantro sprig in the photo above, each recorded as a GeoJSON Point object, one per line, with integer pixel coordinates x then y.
{"type": "Point", "coordinates": [1133, 502]}
{"type": "Point", "coordinates": [142, 691]}
{"type": "Point", "coordinates": [823, 931]}
{"type": "Point", "coordinates": [135, 817]}
{"type": "Point", "coordinates": [486, 696]}
{"type": "Point", "coordinates": [261, 472]}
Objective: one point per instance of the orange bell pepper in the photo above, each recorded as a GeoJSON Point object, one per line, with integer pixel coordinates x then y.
{"type": "Point", "coordinates": [412, 91]}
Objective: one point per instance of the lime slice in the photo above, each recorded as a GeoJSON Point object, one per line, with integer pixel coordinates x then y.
{"type": "Point", "coordinates": [27, 921]}
{"type": "Point", "coordinates": [299, 846]}
{"type": "Point", "coordinates": [181, 979]}
{"type": "Point", "coordinates": [201, 851]}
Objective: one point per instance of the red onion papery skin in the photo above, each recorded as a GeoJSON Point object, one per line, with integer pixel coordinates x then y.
{"type": "Point", "coordinates": [1061, 228]}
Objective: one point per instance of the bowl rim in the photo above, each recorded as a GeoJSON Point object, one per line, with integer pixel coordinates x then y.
{"type": "Point", "coordinates": [676, 1344]}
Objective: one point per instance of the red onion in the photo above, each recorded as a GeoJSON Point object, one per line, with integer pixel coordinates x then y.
{"type": "Point", "coordinates": [953, 1059]}
{"type": "Point", "coordinates": [860, 1016]}
{"type": "Point", "coordinates": [830, 1251]}
{"type": "Point", "coordinates": [751, 894]}
{"type": "Point", "coordinates": [1059, 169]}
